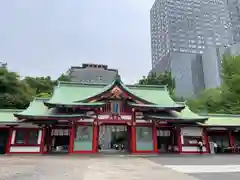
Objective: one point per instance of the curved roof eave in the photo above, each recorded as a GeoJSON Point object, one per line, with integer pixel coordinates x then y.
{"type": "Point", "coordinates": [42, 117]}
{"type": "Point", "coordinates": [176, 107]}
{"type": "Point", "coordinates": [75, 104]}
{"type": "Point", "coordinates": [203, 119]}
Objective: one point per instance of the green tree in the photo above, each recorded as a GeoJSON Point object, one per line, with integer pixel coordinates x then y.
{"type": "Point", "coordinates": [14, 93]}
{"type": "Point", "coordinates": [63, 77]}
{"type": "Point", "coordinates": [231, 84]}
{"type": "Point", "coordinates": [40, 84]}
{"type": "Point", "coordinates": [161, 79]}
{"type": "Point", "coordinates": [209, 101]}
{"type": "Point", "coordinates": [17, 93]}
{"type": "Point", "coordinates": [226, 98]}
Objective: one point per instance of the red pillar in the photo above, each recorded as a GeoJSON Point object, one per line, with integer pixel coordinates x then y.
{"type": "Point", "coordinates": [179, 134]}
{"type": "Point", "coordinates": [133, 138]}
{"type": "Point", "coordinates": [9, 140]}
{"type": "Point", "coordinates": [154, 134]}
{"type": "Point", "coordinates": [95, 137]}
{"type": "Point", "coordinates": [71, 138]}
{"type": "Point", "coordinates": [49, 138]}
{"type": "Point", "coordinates": [230, 136]}
{"type": "Point", "coordinates": [205, 137]}
{"type": "Point", "coordinates": [129, 133]}
{"type": "Point", "coordinates": [133, 129]}
{"type": "Point", "coordinates": [42, 144]}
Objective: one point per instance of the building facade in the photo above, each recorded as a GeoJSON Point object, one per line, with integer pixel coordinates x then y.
{"type": "Point", "coordinates": [83, 118]}
{"type": "Point", "coordinates": [234, 11]}
{"type": "Point", "coordinates": [185, 34]}
{"type": "Point", "coordinates": [93, 73]}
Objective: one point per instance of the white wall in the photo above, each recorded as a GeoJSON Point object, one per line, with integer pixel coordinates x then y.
{"type": "Point", "coordinates": [192, 149]}
{"type": "Point", "coordinates": [191, 131]}
{"type": "Point", "coordinates": [25, 149]}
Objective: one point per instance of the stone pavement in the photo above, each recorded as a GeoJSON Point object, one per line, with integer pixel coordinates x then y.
{"type": "Point", "coordinates": [130, 168]}
{"type": "Point", "coordinates": [209, 167]}
{"type": "Point", "coordinates": [84, 168]}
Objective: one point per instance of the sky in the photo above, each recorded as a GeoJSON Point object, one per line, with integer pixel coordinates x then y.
{"type": "Point", "coordinates": [46, 37]}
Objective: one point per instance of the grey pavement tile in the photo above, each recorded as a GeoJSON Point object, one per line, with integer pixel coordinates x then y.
{"type": "Point", "coordinates": [80, 168]}
{"type": "Point", "coordinates": [217, 176]}
{"type": "Point", "coordinates": [197, 160]}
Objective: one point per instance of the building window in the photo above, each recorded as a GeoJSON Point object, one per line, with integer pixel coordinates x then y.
{"type": "Point", "coordinates": [144, 133]}
{"type": "Point", "coordinates": [20, 137]}
{"type": "Point", "coordinates": [83, 133]}
{"type": "Point", "coordinates": [26, 137]}
{"type": "Point", "coordinates": [33, 137]}
{"type": "Point", "coordinates": [115, 108]}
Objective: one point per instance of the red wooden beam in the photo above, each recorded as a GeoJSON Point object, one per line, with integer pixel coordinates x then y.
{"type": "Point", "coordinates": [42, 143]}
{"type": "Point", "coordinates": [154, 136]}
{"type": "Point", "coordinates": [133, 132]}
{"type": "Point", "coordinates": [71, 138]}
{"type": "Point", "coordinates": [179, 134]}
{"type": "Point", "coordinates": [9, 140]}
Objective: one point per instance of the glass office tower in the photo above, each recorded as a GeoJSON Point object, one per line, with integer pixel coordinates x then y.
{"type": "Point", "coordinates": [184, 33]}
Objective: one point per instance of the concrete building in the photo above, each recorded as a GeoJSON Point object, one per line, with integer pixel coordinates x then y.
{"type": "Point", "coordinates": [185, 37]}
{"type": "Point", "coordinates": [94, 73]}
{"type": "Point", "coordinates": [234, 12]}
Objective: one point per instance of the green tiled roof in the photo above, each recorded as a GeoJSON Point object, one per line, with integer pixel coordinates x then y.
{"type": "Point", "coordinates": [69, 92]}
{"type": "Point", "coordinates": [222, 120]}
{"type": "Point", "coordinates": [160, 106]}
{"type": "Point", "coordinates": [177, 119]}
{"type": "Point", "coordinates": [89, 104]}
{"type": "Point", "coordinates": [186, 113]}
{"type": "Point", "coordinates": [38, 109]}
{"type": "Point", "coordinates": [152, 94]}
{"type": "Point", "coordinates": [6, 115]}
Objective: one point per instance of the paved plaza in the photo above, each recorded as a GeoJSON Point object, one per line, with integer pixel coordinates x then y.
{"type": "Point", "coordinates": [204, 167]}
{"type": "Point", "coordinates": [119, 167]}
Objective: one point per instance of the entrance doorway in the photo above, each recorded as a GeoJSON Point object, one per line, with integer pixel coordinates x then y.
{"type": "Point", "coordinates": [3, 140]}
{"type": "Point", "coordinates": [221, 138]}
{"type": "Point", "coordinates": [113, 138]}
{"type": "Point", "coordinates": [167, 141]}
{"type": "Point", "coordinates": [60, 140]}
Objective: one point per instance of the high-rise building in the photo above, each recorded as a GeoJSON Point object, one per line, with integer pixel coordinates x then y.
{"type": "Point", "coordinates": [234, 12]}
{"type": "Point", "coordinates": [92, 73]}
{"type": "Point", "coordinates": [185, 36]}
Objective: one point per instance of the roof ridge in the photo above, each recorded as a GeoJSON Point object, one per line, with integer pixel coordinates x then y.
{"type": "Point", "coordinates": [11, 110]}
{"type": "Point", "coordinates": [147, 86]}
{"type": "Point", "coordinates": [223, 115]}
{"type": "Point", "coordinates": [181, 102]}
{"type": "Point", "coordinates": [41, 99]}
{"type": "Point", "coordinates": [79, 83]}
